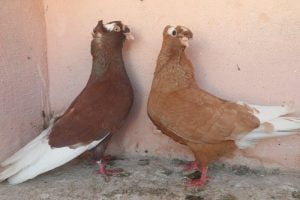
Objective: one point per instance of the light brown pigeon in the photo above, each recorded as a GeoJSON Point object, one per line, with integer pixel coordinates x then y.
{"type": "Point", "coordinates": [211, 127]}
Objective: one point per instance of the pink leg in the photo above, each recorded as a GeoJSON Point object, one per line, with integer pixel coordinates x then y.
{"type": "Point", "coordinates": [201, 181]}
{"type": "Point", "coordinates": [190, 166]}
{"type": "Point", "coordinates": [104, 171]}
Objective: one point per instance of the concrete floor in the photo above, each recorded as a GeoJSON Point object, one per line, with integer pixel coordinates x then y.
{"type": "Point", "coordinates": [153, 178]}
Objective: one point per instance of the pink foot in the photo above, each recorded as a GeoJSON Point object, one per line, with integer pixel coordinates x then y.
{"type": "Point", "coordinates": [104, 171]}
{"type": "Point", "coordinates": [190, 166]}
{"type": "Point", "coordinates": [201, 181]}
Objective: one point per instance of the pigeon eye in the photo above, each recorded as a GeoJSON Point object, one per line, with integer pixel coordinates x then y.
{"type": "Point", "coordinates": [174, 33]}
{"type": "Point", "coordinates": [117, 29]}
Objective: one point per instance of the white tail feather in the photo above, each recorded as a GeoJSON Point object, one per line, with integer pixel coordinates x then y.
{"type": "Point", "coordinates": [25, 156]}
{"type": "Point", "coordinates": [38, 157]}
{"type": "Point", "coordinates": [282, 126]}
{"type": "Point", "coordinates": [266, 113]}
{"type": "Point", "coordinates": [28, 147]}
{"type": "Point", "coordinates": [286, 123]}
{"type": "Point", "coordinates": [49, 160]}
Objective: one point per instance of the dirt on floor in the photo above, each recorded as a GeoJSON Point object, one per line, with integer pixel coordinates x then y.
{"type": "Point", "coordinates": [155, 178]}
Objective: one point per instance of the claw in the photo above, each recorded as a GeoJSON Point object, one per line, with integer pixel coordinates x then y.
{"type": "Point", "coordinates": [107, 172]}
{"type": "Point", "coordinates": [199, 182]}
{"type": "Point", "coordinates": [195, 183]}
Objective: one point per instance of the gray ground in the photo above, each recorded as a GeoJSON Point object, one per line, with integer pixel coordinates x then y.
{"type": "Point", "coordinates": [153, 178]}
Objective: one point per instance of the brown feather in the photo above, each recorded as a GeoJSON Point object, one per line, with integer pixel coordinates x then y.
{"type": "Point", "coordinates": [104, 103]}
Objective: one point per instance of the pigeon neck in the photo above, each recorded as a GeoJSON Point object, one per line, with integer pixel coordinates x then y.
{"type": "Point", "coordinates": [105, 57]}
{"type": "Point", "coordinates": [169, 54]}
{"type": "Point", "coordinates": [172, 52]}
{"type": "Point", "coordinates": [173, 71]}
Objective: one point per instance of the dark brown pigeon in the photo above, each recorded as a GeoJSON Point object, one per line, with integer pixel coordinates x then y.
{"type": "Point", "coordinates": [98, 112]}
{"type": "Point", "coordinates": [211, 127]}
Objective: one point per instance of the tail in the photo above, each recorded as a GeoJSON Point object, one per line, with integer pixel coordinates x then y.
{"type": "Point", "coordinates": [38, 157]}
{"type": "Point", "coordinates": [272, 124]}
{"type": "Point", "coordinates": [266, 113]}
{"type": "Point", "coordinates": [25, 156]}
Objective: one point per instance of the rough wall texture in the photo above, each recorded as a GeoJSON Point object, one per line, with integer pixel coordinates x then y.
{"type": "Point", "coordinates": [242, 50]}
{"type": "Point", "coordinates": [23, 64]}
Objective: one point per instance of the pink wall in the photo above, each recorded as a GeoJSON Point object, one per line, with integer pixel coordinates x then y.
{"type": "Point", "coordinates": [259, 37]}
{"type": "Point", "coordinates": [23, 73]}
{"type": "Point", "coordinates": [262, 39]}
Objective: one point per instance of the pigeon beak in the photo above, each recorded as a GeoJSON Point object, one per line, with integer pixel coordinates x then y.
{"type": "Point", "coordinates": [129, 36]}
{"type": "Point", "coordinates": [185, 41]}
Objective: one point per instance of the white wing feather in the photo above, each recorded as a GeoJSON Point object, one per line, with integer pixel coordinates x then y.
{"type": "Point", "coordinates": [38, 157]}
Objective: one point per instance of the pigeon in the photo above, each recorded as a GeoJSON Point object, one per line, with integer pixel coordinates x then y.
{"type": "Point", "coordinates": [93, 117]}
{"type": "Point", "coordinates": [210, 126]}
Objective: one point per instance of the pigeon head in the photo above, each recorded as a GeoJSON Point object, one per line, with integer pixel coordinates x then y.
{"type": "Point", "coordinates": [114, 32]}
{"type": "Point", "coordinates": [177, 36]}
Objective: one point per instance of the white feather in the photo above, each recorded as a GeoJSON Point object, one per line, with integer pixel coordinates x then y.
{"type": "Point", "coordinates": [25, 156]}
{"type": "Point", "coordinates": [282, 126]}
{"type": "Point", "coordinates": [23, 151]}
{"type": "Point", "coordinates": [266, 113]}
{"type": "Point", "coordinates": [109, 27]}
{"type": "Point", "coordinates": [286, 123]}
{"type": "Point", "coordinates": [251, 139]}
{"type": "Point", "coordinates": [38, 157]}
